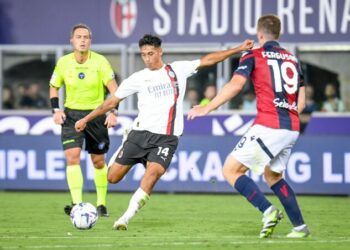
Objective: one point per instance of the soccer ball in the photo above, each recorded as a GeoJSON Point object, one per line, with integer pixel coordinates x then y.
{"type": "Point", "coordinates": [83, 215]}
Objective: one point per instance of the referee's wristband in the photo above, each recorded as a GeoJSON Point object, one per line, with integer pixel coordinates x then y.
{"type": "Point", "coordinates": [54, 104]}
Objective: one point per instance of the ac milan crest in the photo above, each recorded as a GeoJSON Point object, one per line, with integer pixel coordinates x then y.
{"type": "Point", "coordinates": [123, 16]}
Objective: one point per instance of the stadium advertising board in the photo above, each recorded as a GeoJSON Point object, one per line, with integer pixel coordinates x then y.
{"type": "Point", "coordinates": [125, 21]}
{"type": "Point", "coordinates": [217, 125]}
{"type": "Point", "coordinates": [315, 167]}
{"type": "Point", "coordinates": [319, 164]}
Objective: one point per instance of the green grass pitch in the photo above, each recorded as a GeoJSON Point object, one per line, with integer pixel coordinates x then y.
{"type": "Point", "coordinates": [33, 220]}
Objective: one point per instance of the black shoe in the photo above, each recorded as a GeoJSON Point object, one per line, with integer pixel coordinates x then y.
{"type": "Point", "coordinates": [102, 211]}
{"type": "Point", "coordinates": [67, 209]}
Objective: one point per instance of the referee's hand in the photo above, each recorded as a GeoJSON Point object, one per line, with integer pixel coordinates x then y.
{"type": "Point", "coordinates": [80, 125]}
{"type": "Point", "coordinates": [59, 117]}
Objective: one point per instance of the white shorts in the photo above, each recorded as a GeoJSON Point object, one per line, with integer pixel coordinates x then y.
{"type": "Point", "coordinates": [262, 146]}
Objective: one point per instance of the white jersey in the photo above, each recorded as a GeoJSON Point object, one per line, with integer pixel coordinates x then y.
{"type": "Point", "coordinates": [160, 96]}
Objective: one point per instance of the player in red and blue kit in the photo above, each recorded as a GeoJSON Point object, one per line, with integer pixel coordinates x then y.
{"type": "Point", "coordinates": [277, 77]}
{"type": "Point", "coordinates": [266, 146]}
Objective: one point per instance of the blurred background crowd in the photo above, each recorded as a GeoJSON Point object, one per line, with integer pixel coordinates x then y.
{"type": "Point", "coordinates": [200, 90]}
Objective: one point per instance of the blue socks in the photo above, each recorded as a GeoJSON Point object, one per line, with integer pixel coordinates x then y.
{"type": "Point", "coordinates": [287, 197]}
{"type": "Point", "coordinates": [247, 187]}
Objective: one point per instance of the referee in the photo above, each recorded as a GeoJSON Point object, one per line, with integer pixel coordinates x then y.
{"type": "Point", "coordinates": [85, 75]}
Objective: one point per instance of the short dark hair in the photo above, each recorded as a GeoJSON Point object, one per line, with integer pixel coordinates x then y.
{"type": "Point", "coordinates": [270, 25]}
{"type": "Point", "coordinates": [149, 39]}
{"type": "Point", "coordinates": [80, 26]}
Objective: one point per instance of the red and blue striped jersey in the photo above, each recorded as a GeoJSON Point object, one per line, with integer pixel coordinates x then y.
{"type": "Point", "coordinates": [277, 77]}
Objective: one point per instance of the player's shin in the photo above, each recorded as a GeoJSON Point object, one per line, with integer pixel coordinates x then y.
{"type": "Point", "coordinates": [137, 201]}
{"type": "Point", "coordinates": [288, 199]}
{"type": "Point", "coordinates": [246, 187]}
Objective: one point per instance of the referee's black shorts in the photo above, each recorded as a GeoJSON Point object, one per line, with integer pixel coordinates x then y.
{"type": "Point", "coordinates": [95, 133]}
{"type": "Point", "coordinates": [143, 146]}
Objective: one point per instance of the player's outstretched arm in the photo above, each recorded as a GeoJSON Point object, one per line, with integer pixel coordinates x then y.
{"type": "Point", "coordinates": [219, 56]}
{"type": "Point", "coordinates": [106, 106]}
{"type": "Point", "coordinates": [230, 90]}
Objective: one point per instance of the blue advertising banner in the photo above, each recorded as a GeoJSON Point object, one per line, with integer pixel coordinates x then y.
{"type": "Point", "coordinates": [216, 124]}
{"type": "Point", "coordinates": [318, 165]}
{"type": "Point", "coordinates": [176, 21]}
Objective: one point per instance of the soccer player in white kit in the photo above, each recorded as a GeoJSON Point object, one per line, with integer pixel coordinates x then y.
{"type": "Point", "coordinates": [160, 89]}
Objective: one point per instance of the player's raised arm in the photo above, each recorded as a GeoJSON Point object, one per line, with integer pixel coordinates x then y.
{"type": "Point", "coordinates": [219, 56]}
{"type": "Point", "coordinates": [230, 90]}
{"type": "Point", "coordinates": [106, 106]}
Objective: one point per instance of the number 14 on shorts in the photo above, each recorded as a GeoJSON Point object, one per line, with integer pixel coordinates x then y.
{"type": "Point", "coordinates": [163, 152]}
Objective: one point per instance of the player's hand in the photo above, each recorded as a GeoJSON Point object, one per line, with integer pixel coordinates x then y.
{"type": "Point", "coordinates": [59, 117]}
{"type": "Point", "coordinates": [247, 45]}
{"type": "Point", "coordinates": [80, 125]}
{"type": "Point", "coordinates": [196, 111]}
{"type": "Point", "coordinates": [111, 120]}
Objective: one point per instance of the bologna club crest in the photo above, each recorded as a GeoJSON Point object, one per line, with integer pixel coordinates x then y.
{"type": "Point", "coordinates": [123, 16]}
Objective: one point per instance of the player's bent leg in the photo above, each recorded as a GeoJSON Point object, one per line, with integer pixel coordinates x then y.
{"type": "Point", "coordinates": [233, 169]}
{"type": "Point", "coordinates": [100, 179]}
{"type": "Point", "coordinates": [74, 177]}
{"type": "Point", "coordinates": [271, 177]}
{"type": "Point", "coordinates": [137, 201]}
{"type": "Point", "coordinates": [272, 215]}
{"type": "Point", "coordinates": [234, 172]}
{"type": "Point", "coordinates": [114, 156]}
{"type": "Point", "coordinates": [288, 199]}
{"type": "Point", "coordinates": [116, 172]}
{"type": "Point", "coordinates": [153, 172]}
